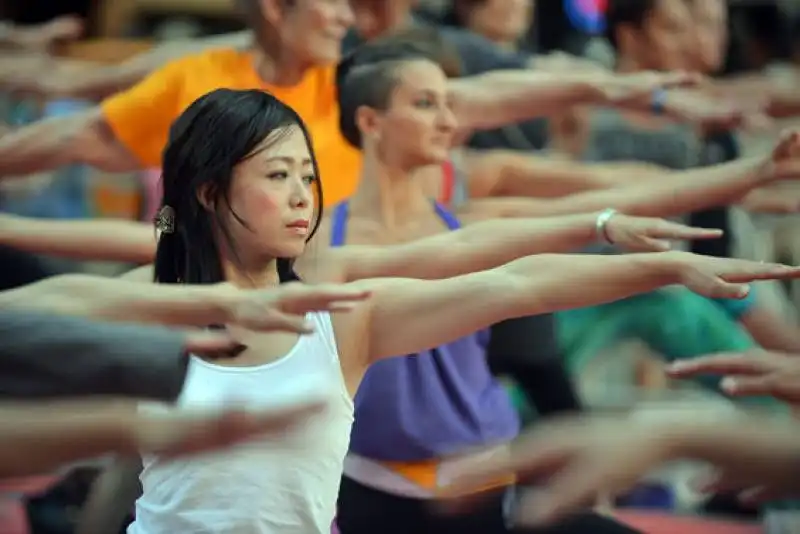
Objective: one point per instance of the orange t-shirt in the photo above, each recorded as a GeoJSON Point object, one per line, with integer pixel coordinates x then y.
{"type": "Point", "coordinates": [141, 116]}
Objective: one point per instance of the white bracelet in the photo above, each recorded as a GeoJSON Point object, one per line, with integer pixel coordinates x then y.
{"type": "Point", "coordinates": [601, 225]}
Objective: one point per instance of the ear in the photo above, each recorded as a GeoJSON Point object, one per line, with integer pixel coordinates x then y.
{"type": "Point", "coordinates": [205, 196]}
{"type": "Point", "coordinates": [368, 121]}
{"type": "Point", "coordinates": [272, 11]}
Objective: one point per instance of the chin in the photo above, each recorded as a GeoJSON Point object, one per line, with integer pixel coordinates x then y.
{"type": "Point", "coordinates": [291, 250]}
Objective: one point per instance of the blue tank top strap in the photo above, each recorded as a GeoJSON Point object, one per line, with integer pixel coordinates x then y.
{"type": "Point", "coordinates": [449, 219]}
{"type": "Point", "coordinates": [339, 225]}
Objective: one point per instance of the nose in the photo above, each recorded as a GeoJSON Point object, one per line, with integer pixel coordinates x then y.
{"type": "Point", "coordinates": [446, 120]}
{"type": "Point", "coordinates": [301, 195]}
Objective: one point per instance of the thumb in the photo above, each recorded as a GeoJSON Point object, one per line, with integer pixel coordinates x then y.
{"type": "Point", "coordinates": [713, 286]}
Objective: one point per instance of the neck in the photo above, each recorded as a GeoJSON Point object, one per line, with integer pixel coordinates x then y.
{"type": "Point", "coordinates": [251, 274]}
{"type": "Point", "coordinates": [392, 195]}
{"type": "Point", "coordinates": [277, 69]}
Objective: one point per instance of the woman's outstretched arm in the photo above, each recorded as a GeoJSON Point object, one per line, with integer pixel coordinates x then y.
{"type": "Point", "coordinates": [97, 297]}
{"type": "Point", "coordinates": [493, 242]}
{"type": "Point", "coordinates": [677, 193]}
{"type": "Point", "coordinates": [90, 239]}
{"type": "Point", "coordinates": [435, 312]}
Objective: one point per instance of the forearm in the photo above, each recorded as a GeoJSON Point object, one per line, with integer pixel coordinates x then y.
{"type": "Point", "coordinates": [110, 299]}
{"type": "Point", "coordinates": [32, 436]}
{"type": "Point", "coordinates": [41, 146]}
{"type": "Point", "coordinates": [676, 194]}
{"type": "Point", "coordinates": [548, 283]}
{"type": "Point", "coordinates": [752, 441]}
{"type": "Point", "coordinates": [476, 247]}
{"type": "Point", "coordinates": [498, 98]}
{"type": "Point", "coordinates": [98, 240]}
{"type": "Point", "coordinates": [533, 176]}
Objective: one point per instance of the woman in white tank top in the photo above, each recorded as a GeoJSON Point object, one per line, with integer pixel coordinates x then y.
{"type": "Point", "coordinates": [240, 202]}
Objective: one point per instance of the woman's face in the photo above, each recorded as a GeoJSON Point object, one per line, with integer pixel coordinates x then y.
{"type": "Point", "coordinates": [312, 30]}
{"type": "Point", "coordinates": [711, 35]}
{"type": "Point", "coordinates": [273, 193]}
{"type": "Point", "coordinates": [500, 20]}
{"type": "Point", "coordinates": [417, 127]}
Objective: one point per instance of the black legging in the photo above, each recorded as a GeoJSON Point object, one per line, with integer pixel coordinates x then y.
{"type": "Point", "coordinates": [363, 510]}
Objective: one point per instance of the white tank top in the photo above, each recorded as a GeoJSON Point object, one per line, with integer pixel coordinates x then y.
{"type": "Point", "coordinates": [285, 485]}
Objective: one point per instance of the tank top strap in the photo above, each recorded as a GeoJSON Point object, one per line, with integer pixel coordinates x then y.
{"type": "Point", "coordinates": [339, 224]}
{"type": "Point", "coordinates": [449, 219]}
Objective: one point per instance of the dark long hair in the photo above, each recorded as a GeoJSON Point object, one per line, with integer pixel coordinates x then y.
{"type": "Point", "coordinates": [213, 135]}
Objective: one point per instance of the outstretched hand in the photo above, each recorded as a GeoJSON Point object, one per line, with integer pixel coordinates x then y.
{"type": "Point", "coordinates": [574, 459]}
{"type": "Point", "coordinates": [647, 234]}
{"type": "Point", "coordinates": [720, 277]}
{"type": "Point", "coordinates": [752, 373]}
{"type": "Point", "coordinates": [180, 432]}
{"type": "Point", "coordinates": [284, 307]}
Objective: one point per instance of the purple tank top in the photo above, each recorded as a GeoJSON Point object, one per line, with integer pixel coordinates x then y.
{"type": "Point", "coordinates": [432, 404]}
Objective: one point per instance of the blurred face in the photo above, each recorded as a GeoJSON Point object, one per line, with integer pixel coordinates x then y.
{"type": "Point", "coordinates": [311, 30]}
{"type": "Point", "coordinates": [660, 43]}
{"type": "Point", "coordinates": [711, 35]}
{"type": "Point", "coordinates": [417, 128]}
{"type": "Point", "coordinates": [374, 18]}
{"type": "Point", "coordinates": [500, 20]}
{"type": "Point", "coordinates": [273, 193]}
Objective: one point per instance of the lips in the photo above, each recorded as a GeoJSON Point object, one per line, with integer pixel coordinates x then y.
{"type": "Point", "coordinates": [298, 224]}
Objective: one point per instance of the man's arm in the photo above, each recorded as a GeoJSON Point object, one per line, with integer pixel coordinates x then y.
{"type": "Point", "coordinates": [128, 131]}
{"type": "Point", "coordinates": [45, 355]}
{"type": "Point", "coordinates": [69, 78]}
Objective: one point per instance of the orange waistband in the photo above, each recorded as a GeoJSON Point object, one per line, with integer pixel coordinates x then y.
{"type": "Point", "coordinates": [426, 474]}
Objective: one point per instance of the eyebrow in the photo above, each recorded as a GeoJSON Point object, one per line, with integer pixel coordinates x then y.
{"type": "Point", "coordinates": [287, 160]}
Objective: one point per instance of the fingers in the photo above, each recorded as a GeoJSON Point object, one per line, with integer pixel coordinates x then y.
{"type": "Point", "coordinates": [191, 433]}
{"type": "Point", "coordinates": [301, 298]}
{"type": "Point", "coordinates": [752, 271]}
{"type": "Point", "coordinates": [720, 364]}
{"type": "Point", "coordinates": [209, 344]}
{"type": "Point", "coordinates": [749, 386]}
{"type": "Point", "coordinates": [286, 322]}
{"type": "Point", "coordinates": [683, 232]}
{"type": "Point", "coordinates": [714, 287]}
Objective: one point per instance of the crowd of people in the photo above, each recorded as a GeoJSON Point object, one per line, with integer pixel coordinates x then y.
{"type": "Point", "coordinates": [367, 221]}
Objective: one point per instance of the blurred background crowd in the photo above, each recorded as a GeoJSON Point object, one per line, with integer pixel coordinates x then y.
{"type": "Point", "coordinates": [751, 39]}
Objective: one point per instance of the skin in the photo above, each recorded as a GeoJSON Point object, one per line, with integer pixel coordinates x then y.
{"type": "Point", "coordinates": [273, 189]}
{"type": "Point", "coordinates": [415, 133]}
{"type": "Point", "coordinates": [578, 457]}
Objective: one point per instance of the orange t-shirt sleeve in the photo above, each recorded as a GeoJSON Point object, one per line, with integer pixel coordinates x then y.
{"type": "Point", "coordinates": [141, 116]}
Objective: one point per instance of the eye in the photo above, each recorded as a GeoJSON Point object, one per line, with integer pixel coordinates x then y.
{"type": "Point", "coordinates": [309, 179]}
{"type": "Point", "coordinates": [424, 103]}
{"type": "Point", "coordinates": [278, 175]}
